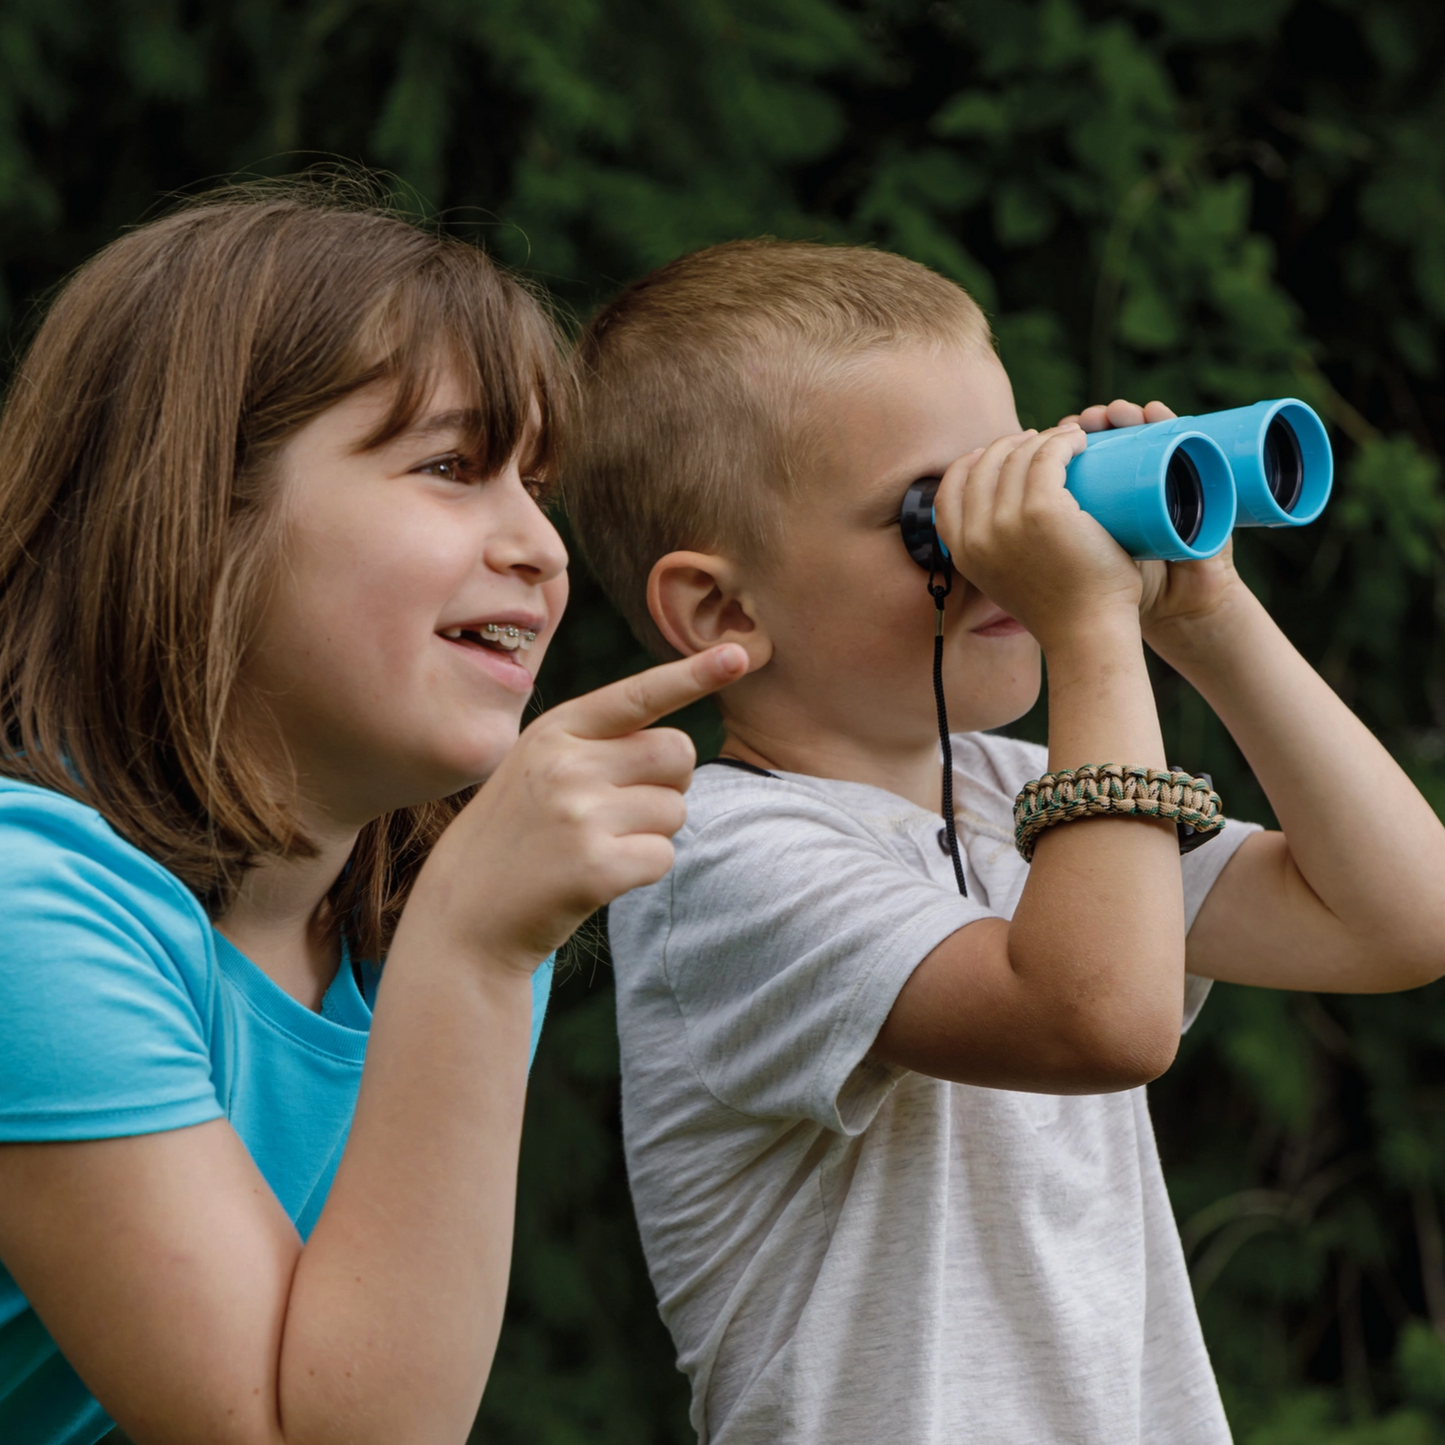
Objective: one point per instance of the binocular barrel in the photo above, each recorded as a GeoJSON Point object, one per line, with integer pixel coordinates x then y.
{"type": "Point", "coordinates": [1168, 494]}
{"type": "Point", "coordinates": [1174, 490]}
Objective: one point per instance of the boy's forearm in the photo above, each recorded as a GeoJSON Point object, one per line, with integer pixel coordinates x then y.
{"type": "Point", "coordinates": [1101, 704]}
{"type": "Point", "coordinates": [1359, 833]}
{"type": "Point", "coordinates": [1101, 919]}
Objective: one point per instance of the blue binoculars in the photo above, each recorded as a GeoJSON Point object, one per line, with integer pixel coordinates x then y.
{"type": "Point", "coordinates": [1175, 490]}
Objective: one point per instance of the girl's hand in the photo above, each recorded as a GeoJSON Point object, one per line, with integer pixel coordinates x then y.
{"type": "Point", "coordinates": [1018, 536]}
{"type": "Point", "coordinates": [1174, 594]}
{"type": "Point", "coordinates": [583, 809]}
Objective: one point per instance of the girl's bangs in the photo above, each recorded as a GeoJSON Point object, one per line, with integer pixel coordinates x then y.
{"type": "Point", "coordinates": [460, 315]}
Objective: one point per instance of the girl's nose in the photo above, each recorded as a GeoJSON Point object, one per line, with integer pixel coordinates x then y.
{"type": "Point", "coordinates": [523, 540]}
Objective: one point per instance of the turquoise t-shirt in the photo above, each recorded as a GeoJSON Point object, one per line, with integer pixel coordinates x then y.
{"type": "Point", "coordinates": [122, 1011]}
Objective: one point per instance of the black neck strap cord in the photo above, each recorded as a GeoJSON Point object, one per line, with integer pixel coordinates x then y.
{"type": "Point", "coordinates": [939, 591]}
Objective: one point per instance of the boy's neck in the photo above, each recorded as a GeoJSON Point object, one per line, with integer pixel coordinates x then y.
{"type": "Point", "coordinates": [911, 773]}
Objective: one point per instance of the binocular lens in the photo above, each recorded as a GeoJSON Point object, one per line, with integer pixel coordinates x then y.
{"type": "Point", "coordinates": [1184, 496]}
{"type": "Point", "coordinates": [1284, 468]}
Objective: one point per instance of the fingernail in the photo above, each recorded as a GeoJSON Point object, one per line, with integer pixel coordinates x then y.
{"type": "Point", "coordinates": [732, 658]}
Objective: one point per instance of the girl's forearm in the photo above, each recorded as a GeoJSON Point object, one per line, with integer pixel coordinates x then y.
{"type": "Point", "coordinates": [1358, 831]}
{"type": "Point", "coordinates": [397, 1298]}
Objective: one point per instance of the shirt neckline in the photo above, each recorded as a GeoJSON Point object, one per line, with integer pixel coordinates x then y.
{"type": "Point", "coordinates": [340, 1031]}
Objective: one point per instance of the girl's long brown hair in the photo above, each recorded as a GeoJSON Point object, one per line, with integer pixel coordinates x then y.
{"type": "Point", "coordinates": [136, 525]}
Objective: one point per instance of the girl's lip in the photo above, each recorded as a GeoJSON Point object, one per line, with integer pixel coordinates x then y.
{"type": "Point", "coordinates": [998, 624]}
{"type": "Point", "coordinates": [502, 667]}
{"type": "Point", "coordinates": [530, 621]}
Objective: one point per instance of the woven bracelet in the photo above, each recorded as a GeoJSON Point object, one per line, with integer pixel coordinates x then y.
{"type": "Point", "coordinates": [1112, 790]}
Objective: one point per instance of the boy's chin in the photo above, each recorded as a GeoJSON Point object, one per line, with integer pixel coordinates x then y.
{"type": "Point", "coordinates": [975, 717]}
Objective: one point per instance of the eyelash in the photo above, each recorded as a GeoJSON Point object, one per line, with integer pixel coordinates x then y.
{"type": "Point", "coordinates": [454, 461]}
{"type": "Point", "coordinates": [538, 488]}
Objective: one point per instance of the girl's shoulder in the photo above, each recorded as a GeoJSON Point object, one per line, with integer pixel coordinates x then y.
{"type": "Point", "coordinates": [49, 840]}
{"type": "Point", "coordinates": [74, 895]}
{"type": "Point", "coordinates": [106, 979]}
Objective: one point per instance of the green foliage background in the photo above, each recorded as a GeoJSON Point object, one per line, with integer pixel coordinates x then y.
{"type": "Point", "coordinates": [1206, 203]}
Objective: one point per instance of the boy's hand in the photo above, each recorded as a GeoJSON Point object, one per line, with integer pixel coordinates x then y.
{"type": "Point", "coordinates": [581, 810]}
{"type": "Point", "coordinates": [1174, 594]}
{"type": "Point", "coordinates": [1018, 536]}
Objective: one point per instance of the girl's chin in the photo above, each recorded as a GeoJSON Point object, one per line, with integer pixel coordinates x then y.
{"type": "Point", "coordinates": [462, 767]}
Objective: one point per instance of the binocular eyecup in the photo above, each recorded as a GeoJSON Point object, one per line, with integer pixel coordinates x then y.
{"type": "Point", "coordinates": [1174, 490]}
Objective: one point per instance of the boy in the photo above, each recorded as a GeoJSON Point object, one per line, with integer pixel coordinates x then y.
{"type": "Point", "coordinates": [888, 1144]}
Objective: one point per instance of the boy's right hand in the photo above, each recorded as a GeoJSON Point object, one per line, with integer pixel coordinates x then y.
{"type": "Point", "coordinates": [582, 809]}
{"type": "Point", "coordinates": [1019, 536]}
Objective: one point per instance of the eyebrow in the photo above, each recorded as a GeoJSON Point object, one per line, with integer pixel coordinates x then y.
{"type": "Point", "coordinates": [442, 422]}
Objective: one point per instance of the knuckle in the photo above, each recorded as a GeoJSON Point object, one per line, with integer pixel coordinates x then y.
{"type": "Point", "coordinates": [652, 858]}
{"type": "Point", "coordinates": [676, 748]}
{"type": "Point", "coordinates": [571, 809]}
{"type": "Point", "coordinates": [595, 862]}
{"type": "Point", "coordinates": [566, 776]}
{"type": "Point", "coordinates": [673, 814]}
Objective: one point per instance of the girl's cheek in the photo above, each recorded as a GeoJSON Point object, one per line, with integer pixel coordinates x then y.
{"type": "Point", "coordinates": [556, 593]}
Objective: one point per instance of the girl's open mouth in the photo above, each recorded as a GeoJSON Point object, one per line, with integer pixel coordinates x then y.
{"type": "Point", "coordinates": [496, 646]}
{"type": "Point", "coordinates": [499, 636]}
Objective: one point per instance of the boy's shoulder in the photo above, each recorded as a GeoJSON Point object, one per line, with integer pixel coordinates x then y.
{"type": "Point", "coordinates": [731, 799]}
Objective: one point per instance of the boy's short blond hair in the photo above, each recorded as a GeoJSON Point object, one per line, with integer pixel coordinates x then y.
{"type": "Point", "coordinates": [694, 423]}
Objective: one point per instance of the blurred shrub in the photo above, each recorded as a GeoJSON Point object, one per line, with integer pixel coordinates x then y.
{"type": "Point", "coordinates": [1152, 197]}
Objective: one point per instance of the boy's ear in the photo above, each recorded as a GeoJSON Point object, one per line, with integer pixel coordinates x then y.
{"type": "Point", "coordinates": [695, 600]}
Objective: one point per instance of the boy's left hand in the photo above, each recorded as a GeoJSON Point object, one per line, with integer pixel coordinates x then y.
{"type": "Point", "coordinates": [1350, 897]}
{"type": "Point", "coordinates": [1174, 592]}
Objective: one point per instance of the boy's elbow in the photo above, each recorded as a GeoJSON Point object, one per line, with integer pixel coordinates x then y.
{"type": "Point", "coordinates": [1410, 966]}
{"type": "Point", "coordinates": [1124, 1052]}
{"type": "Point", "coordinates": [1392, 956]}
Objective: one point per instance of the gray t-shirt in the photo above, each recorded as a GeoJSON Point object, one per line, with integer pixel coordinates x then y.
{"type": "Point", "coordinates": [847, 1251]}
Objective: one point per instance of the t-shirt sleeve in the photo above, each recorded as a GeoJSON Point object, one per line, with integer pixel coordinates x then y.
{"type": "Point", "coordinates": [1201, 870]}
{"type": "Point", "coordinates": [791, 931]}
{"type": "Point", "coordinates": [541, 993]}
{"type": "Point", "coordinates": [1007, 763]}
{"type": "Point", "coordinates": [102, 1032]}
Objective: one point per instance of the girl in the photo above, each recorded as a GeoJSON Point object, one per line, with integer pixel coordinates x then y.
{"type": "Point", "coordinates": [274, 587]}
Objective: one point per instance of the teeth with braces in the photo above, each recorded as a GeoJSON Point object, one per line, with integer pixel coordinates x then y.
{"type": "Point", "coordinates": [511, 638]}
{"type": "Point", "coordinates": [514, 639]}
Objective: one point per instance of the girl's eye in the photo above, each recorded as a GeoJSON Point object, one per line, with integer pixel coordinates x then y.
{"type": "Point", "coordinates": [449, 469]}
{"type": "Point", "coordinates": [537, 489]}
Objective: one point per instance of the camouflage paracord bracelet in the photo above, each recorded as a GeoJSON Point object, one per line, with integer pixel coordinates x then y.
{"type": "Point", "coordinates": [1112, 790]}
